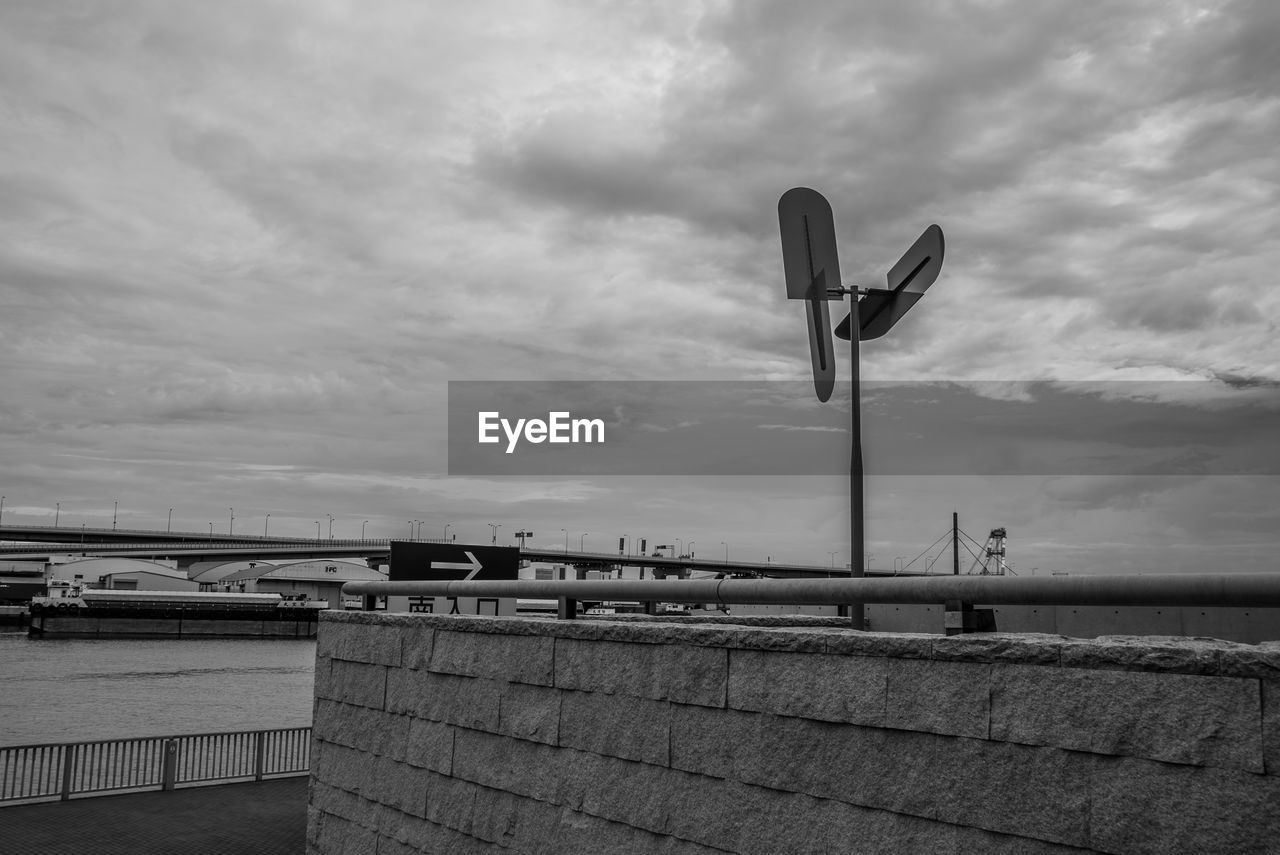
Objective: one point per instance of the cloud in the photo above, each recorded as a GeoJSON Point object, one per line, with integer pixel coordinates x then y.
{"type": "Point", "coordinates": [268, 234]}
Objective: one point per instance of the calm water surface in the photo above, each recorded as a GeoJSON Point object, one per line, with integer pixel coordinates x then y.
{"type": "Point", "coordinates": [69, 690]}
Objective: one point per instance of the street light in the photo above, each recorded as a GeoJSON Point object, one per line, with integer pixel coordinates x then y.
{"type": "Point", "coordinates": [317, 531]}
{"type": "Point", "coordinates": [582, 540]}
{"type": "Point", "coordinates": [679, 547]}
{"type": "Point", "coordinates": [1, 509]}
{"type": "Point", "coordinates": [115, 510]}
{"type": "Point", "coordinates": [169, 524]}
{"type": "Point", "coordinates": [726, 551]}
{"type": "Point", "coordinates": [362, 525]}
{"type": "Point", "coordinates": [566, 540]}
{"type": "Point", "coordinates": [495, 527]}
{"type": "Point", "coordinates": [231, 526]}
{"type": "Point", "coordinates": [410, 529]}
{"type": "Point", "coordinates": [417, 535]}
{"type": "Point", "coordinates": [446, 532]}
{"type": "Point", "coordinates": [330, 516]}
{"type": "Point", "coordinates": [266, 523]}
{"type": "Point", "coordinates": [691, 543]}
{"type": "Point", "coordinates": [56, 513]}
{"type": "Point", "coordinates": [833, 559]}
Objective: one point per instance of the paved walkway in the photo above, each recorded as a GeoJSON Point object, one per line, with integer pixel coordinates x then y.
{"type": "Point", "coordinates": [267, 818]}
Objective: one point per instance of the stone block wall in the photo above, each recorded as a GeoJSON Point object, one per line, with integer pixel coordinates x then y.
{"type": "Point", "coordinates": [464, 734]}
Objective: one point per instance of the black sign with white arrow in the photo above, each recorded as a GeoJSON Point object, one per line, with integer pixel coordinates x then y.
{"type": "Point", "coordinates": [413, 561]}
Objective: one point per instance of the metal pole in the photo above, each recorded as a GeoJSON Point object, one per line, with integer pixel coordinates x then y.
{"type": "Point", "coordinates": [68, 764]}
{"type": "Point", "coordinates": [1236, 590]}
{"type": "Point", "coordinates": [260, 745]}
{"type": "Point", "coordinates": [170, 773]}
{"type": "Point", "coordinates": [857, 518]}
{"type": "Point", "coordinates": [955, 543]}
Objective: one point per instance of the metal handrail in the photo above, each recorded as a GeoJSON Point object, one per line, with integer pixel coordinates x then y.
{"type": "Point", "coordinates": [63, 770]}
{"type": "Point", "coordinates": [1190, 589]}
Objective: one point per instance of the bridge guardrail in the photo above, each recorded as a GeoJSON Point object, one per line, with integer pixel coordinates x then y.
{"type": "Point", "coordinates": [63, 770]}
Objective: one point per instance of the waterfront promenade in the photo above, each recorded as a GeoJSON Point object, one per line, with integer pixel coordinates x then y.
{"type": "Point", "coordinates": [265, 818]}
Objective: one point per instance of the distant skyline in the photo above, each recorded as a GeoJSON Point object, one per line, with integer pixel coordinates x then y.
{"type": "Point", "coordinates": [245, 247]}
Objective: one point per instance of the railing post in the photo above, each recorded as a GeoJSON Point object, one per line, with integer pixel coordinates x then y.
{"type": "Point", "coordinates": [566, 608]}
{"type": "Point", "coordinates": [68, 763]}
{"type": "Point", "coordinates": [260, 747]}
{"type": "Point", "coordinates": [169, 776]}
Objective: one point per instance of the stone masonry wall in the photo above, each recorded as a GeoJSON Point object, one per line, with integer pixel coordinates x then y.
{"type": "Point", "coordinates": [464, 734]}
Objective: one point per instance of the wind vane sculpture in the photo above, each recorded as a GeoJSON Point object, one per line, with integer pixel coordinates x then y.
{"type": "Point", "coordinates": [812, 269]}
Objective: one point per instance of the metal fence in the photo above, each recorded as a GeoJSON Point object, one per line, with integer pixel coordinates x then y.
{"type": "Point", "coordinates": [29, 772]}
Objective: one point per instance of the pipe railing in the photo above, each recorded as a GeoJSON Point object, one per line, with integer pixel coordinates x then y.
{"type": "Point", "coordinates": [958, 593]}
{"type": "Point", "coordinates": [63, 770]}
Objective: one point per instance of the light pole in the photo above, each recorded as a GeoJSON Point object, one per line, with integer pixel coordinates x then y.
{"type": "Point", "coordinates": [446, 532]}
{"type": "Point", "coordinates": [211, 531]}
{"type": "Point", "coordinates": [691, 543]}
{"type": "Point", "coordinates": [566, 540]}
{"type": "Point", "coordinates": [330, 516]}
{"type": "Point", "coordinates": [317, 531]}
{"type": "Point", "coordinates": [417, 535]}
{"type": "Point", "coordinates": [495, 527]}
{"type": "Point", "coordinates": [582, 540]}
{"type": "Point", "coordinates": [726, 551]}
{"type": "Point", "coordinates": [410, 529]}
{"type": "Point", "coordinates": [169, 524]}
{"type": "Point", "coordinates": [56, 513]}
{"type": "Point", "coordinates": [266, 523]}
{"type": "Point", "coordinates": [833, 559]}
{"type": "Point", "coordinates": [622, 547]}
{"type": "Point", "coordinates": [231, 526]}
{"type": "Point", "coordinates": [116, 510]}
{"type": "Point", "coordinates": [680, 547]}
{"type": "Point", "coordinates": [1, 509]}
{"type": "Point", "coordinates": [362, 525]}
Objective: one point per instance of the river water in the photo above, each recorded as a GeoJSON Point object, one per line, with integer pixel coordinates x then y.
{"type": "Point", "coordinates": [71, 690]}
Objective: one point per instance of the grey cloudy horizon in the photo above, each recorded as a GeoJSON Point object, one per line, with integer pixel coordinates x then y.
{"type": "Point", "coordinates": [244, 247]}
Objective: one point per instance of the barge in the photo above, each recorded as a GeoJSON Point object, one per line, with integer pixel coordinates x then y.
{"type": "Point", "coordinates": [73, 612]}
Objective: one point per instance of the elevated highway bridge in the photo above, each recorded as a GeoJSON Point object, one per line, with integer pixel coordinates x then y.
{"type": "Point", "coordinates": [39, 543]}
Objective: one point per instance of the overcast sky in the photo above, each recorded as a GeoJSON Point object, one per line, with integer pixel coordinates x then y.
{"type": "Point", "coordinates": [244, 247]}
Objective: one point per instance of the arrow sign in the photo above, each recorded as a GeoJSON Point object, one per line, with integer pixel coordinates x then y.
{"type": "Point", "coordinates": [411, 561]}
{"type": "Point", "coordinates": [472, 564]}
{"type": "Point", "coordinates": [880, 309]}
{"type": "Point", "coordinates": [811, 265]}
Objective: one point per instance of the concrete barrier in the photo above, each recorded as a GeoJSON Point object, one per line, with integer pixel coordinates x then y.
{"type": "Point", "coordinates": [465, 734]}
